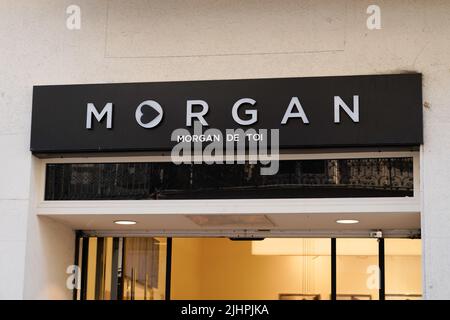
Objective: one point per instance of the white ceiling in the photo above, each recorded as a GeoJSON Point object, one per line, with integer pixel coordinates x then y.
{"type": "Point", "coordinates": [275, 222]}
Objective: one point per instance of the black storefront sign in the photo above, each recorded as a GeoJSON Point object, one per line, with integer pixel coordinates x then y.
{"type": "Point", "coordinates": [346, 111]}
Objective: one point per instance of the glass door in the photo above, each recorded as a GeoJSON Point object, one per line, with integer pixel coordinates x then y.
{"type": "Point", "coordinates": [122, 268]}
{"type": "Point", "coordinates": [159, 268]}
{"type": "Point", "coordinates": [357, 269]}
{"type": "Point", "coordinates": [144, 269]}
{"type": "Point", "coordinates": [100, 261]}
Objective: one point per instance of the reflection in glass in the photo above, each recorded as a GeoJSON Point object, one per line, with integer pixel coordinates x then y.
{"type": "Point", "coordinates": [99, 268]}
{"type": "Point", "coordinates": [123, 268]}
{"type": "Point", "coordinates": [377, 177]}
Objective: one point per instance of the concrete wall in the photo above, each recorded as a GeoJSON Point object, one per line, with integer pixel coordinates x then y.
{"type": "Point", "coordinates": [140, 40]}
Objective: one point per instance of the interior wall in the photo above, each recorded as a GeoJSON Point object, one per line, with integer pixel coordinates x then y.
{"type": "Point", "coordinates": [352, 276]}
{"type": "Point", "coordinates": [245, 276]}
{"type": "Point", "coordinates": [186, 268]}
{"type": "Point", "coordinates": [218, 268]}
{"type": "Point", "coordinates": [38, 48]}
{"type": "Point", "coordinates": [91, 269]}
{"type": "Point", "coordinates": [403, 275]}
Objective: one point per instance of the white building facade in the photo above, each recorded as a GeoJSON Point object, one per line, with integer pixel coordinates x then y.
{"type": "Point", "coordinates": [54, 42]}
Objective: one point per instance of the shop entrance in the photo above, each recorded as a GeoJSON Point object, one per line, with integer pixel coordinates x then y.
{"type": "Point", "coordinates": [175, 243]}
{"type": "Point", "coordinates": [160, 268]}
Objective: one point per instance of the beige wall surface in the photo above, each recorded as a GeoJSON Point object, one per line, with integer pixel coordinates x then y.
{"type": "Point", "coordinates": [186, 268]}
{"type": "Point", "coordinates": [226, 269]}
{"type": "Point", "coordinates": [116, 44]}
{"type": "Point", "coordinates": [218, 268]}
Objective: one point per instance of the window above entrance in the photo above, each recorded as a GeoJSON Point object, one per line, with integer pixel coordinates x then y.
{"type": "Point", "coordinates": [324, 178]}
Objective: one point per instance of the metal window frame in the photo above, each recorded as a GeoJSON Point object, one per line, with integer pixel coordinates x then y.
{"type": "Point", "coordinates": [382, 271]}
{"type": "Point", "coordinates": [84, 267]}
{"type": "Point", "coordinates": [333, 269]}
{"type": "Point", "coordinates": [381, 267]}
{"type": "Point", "coordinates": [168, 269]}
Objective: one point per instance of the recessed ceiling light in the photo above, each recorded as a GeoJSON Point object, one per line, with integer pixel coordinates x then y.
{"type": "Point", "coordinates": [347, 221]}
{"type": "Point", "coordinates": [125, 222]}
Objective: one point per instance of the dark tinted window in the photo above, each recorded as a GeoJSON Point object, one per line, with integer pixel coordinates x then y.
{"type": "Point", "coordinates": [386, 177]}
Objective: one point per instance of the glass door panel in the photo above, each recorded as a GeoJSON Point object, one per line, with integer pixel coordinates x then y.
{"type": "Point", "coordinates": [357, 271]}
{"type": "Point", "coordinates": [403, 268]}
{"type": "Point", "coordinates": [100, 265]}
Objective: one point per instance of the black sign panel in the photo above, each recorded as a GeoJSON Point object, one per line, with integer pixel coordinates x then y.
{"type": "Point", "coordinates": [348, 111]}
